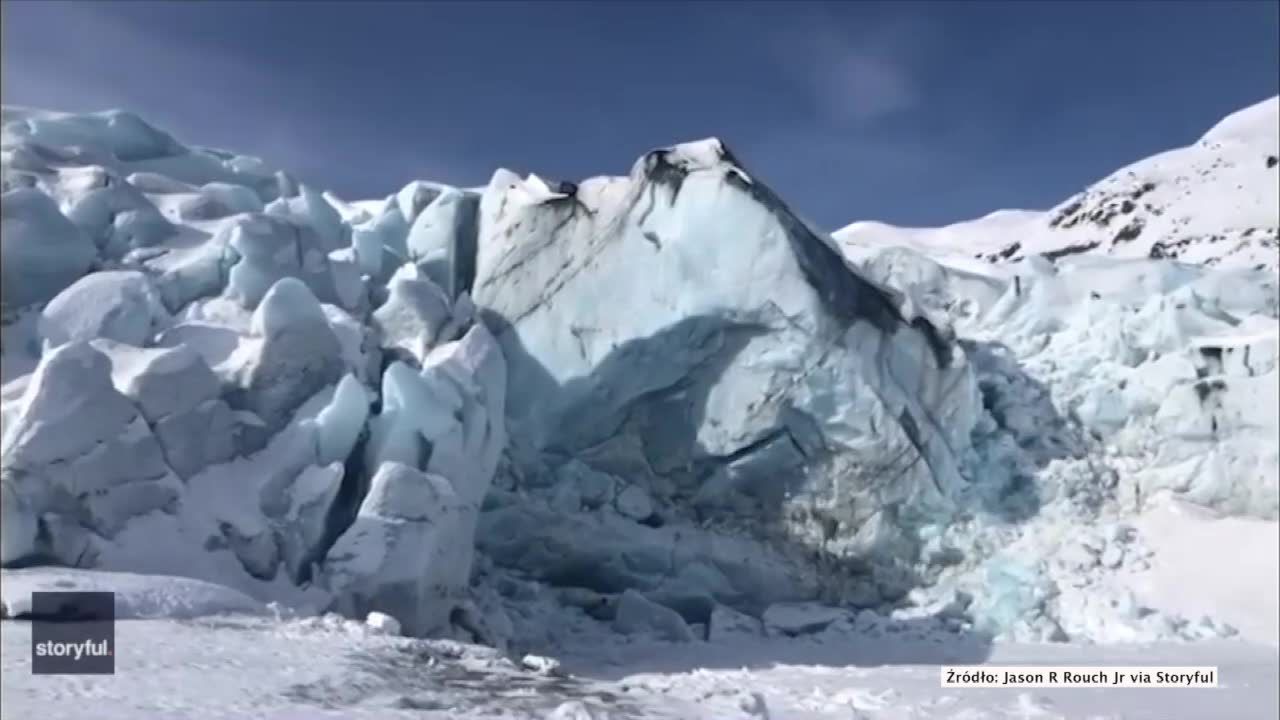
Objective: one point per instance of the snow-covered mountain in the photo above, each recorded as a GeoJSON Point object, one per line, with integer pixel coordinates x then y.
{"type": "Point", "coordinates": [1214, 202]}
{"type": "Point", "coordinates": [634, 421]}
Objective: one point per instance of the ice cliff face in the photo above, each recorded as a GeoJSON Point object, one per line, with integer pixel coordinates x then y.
{"type": "Point", "coordinates": [680, 338]}
{"type": "Point", "coordinates": [663, 399]}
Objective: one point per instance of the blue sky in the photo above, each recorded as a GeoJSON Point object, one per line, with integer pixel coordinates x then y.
{"type": "Point", "coordinates": [909, 112]}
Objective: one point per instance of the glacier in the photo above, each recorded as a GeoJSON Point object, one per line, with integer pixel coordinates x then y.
{"type": "Point", "coordinates": [661, 405]}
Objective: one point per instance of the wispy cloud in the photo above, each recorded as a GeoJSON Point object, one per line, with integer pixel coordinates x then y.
{"type": "Point", "coordinates": [864, 87]}
{"type": "Point", "coordinates": [857, 76]}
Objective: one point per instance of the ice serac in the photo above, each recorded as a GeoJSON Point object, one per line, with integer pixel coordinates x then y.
{"type": "Point", "coordinates": [683, 330]}
{"type": "Point", "coordinates": [267, 248]}
{"type": "Point", "coordinates": [417, 315]}
{"type": "Point", "coordinates": [178, 396]}
{"type": "Point", "coordinates": [299, 355]}
{"type": "Point", "coordinates": [435, 447]}
{"type": "Point", "coordinates": [79, 460]}
{"type": "Point", "coordinates": [442, 240]}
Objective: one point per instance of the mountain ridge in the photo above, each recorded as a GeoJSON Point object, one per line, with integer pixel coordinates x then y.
{"type": "Point", "coordinates": [1213, 201]}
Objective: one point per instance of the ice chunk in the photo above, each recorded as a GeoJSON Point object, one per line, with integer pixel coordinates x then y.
{"type": "Point", "coordinates": [634, 503]}
{"type": "Point", "coordinates": [727, 624]}
{"type": "Point", "coordinates": [800, 618]}
{"type": "Point", "coordinates": [41, 251]}
{"type": "Point", "coordinates": [430, 402]}
{"type": "Point", "coordinates": [177, 393]}
{"type": "Point", "coordinates": [369, 251]}
{"type": "Point", "coordinates": [301, 529]}
{"type": "Point", "coordinates": [289, 303]}
{"type": "Point", "coordinates": [469, 452]}
{"type": "Point", "coordinates": [595, 488]}
{"type": "Point", "coordinates": [197, 438]}
{"type": "Point", "coordinates": [341, 422]}
{"type": "Point", "coordinates": [311, 209]}
{"type": "Point", "coordinates": [408, 553]}
{"type": "Point", "coordinates": [638, 615]}
{"type": "Point", "coordinates": [120, 305]}
{"type": "Point", "coordinates": [160, 381]}
{"type": "Point", "coordinates": [441, 240]}
{"type": "Point", "coordinates": [414, 198]}
{"type": "Point", "coordinates": [382, 623]}
{"type": "Point", "coordinates": [69, 407]}
{"type": "Point", "coordinates": [298, 356]}
{"type": "Point", "coordinates": [267, 248]}
{"type": "Point", "coordinates": [80, 450]}
{"type": "Point", "coordinates": [414, 317]}
{"type": "Point", "coordinates": [359, 352]}
{"type": "Point", "coordinates": [572, 710]}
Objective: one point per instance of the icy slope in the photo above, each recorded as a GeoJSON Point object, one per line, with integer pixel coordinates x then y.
{"type": "Point", "coordinates": [1212, 202]}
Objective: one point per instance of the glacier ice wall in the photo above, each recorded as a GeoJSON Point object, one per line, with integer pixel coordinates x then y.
{"type": "Point", "coordinates": [641, 394]}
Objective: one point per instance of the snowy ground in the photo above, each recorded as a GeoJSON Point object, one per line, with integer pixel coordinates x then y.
{"type": "Point", "coordinates": [238, 667]}
{"type": "Point", "coordinates": [1191, 575]}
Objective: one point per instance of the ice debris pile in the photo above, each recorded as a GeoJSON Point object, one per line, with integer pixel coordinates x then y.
{"type": "Point", "coordinates": [661, 402]}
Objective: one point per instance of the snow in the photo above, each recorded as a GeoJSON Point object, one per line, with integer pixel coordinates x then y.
{"type": "Point", "coordinates": [1240, 590]}
{"type": "Point", "coordinates": [329, 668]}
{"type": "Point", "coordinates": [1212, 202]}
{"type": "Point", "coordinates": [115, 132]}
{"type": "Point", "coordinates": [136, 596]}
